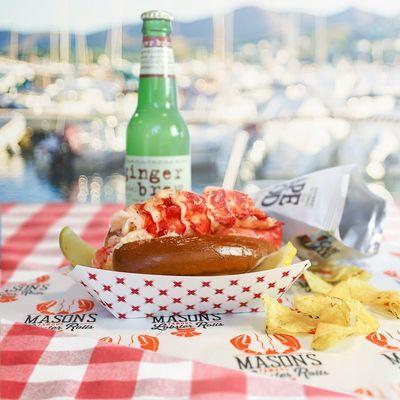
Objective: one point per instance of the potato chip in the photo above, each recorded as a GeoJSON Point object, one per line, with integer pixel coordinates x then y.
{"type": "Point", "coordinates": [344, 272]}
{"type": "Point", "coordinates": [331, 318]}
{"type": "Point", "coordinates": [386, 301]}
{"type": "Point", "coordinates": [348, 312]}
{"type": "Point", "coordinates": [281, 319]}
{"type": "Point", "coordinates": [354, 288]}
{"type": "Point", "coordinates": [332, 272]}
{"type": "Point", "coordinates": [327, 335]}
{"type": "Point", "coordinates": [323, 308]}
{"type": "Point", "coordinates": [363, 322]}
{"type": "Point", "coordinates": [333, 311]}
{"type": "Point", "coordinates": [317, 284]}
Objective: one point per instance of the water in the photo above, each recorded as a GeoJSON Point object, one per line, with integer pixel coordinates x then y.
{"type": "Point", "coordinates": [34, 176]}
{"type": "Point", "coordinates": [23, 181]}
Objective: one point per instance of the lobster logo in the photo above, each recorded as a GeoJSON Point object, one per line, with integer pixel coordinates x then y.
{"type": "Point", "coordinates": [186, 332]}
{"type": "Point", "coordinates": [4, 298]}
{"type": "Point", "coordinates": [393, 274]}
{"type": "Point", "coordinates": [274, 344]}
{"type": "Point", "coordinates": [11, 295]}
{"type": "Point", "coordinates": [364, 392]}
{"type": "Point", "coordinates": [42, 278]}
{"type": "Point", "coordinates": [385, 340]}
{"type": "Point", "coordinates": [146, 342]}
{"type": "Point", "coordinates": [75, 307]}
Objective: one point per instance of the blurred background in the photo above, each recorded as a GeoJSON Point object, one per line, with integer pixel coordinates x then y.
{"type": "Point", "coordinates": [314, 85]}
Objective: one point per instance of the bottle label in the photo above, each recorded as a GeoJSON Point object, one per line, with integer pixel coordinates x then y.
{"type": "Point", "coordinates": [157, 57]}
{"type": "Point", "coordinates": [146, 175]}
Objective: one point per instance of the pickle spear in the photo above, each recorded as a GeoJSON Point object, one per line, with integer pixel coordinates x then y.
{"type": "Point", "coordinates": [75, 249]}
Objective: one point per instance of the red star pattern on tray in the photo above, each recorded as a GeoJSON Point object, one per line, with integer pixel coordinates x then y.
{"type": "Point", "coordinates": [131, 295]}
{"type": "Point", "coordinates": [176, 300]}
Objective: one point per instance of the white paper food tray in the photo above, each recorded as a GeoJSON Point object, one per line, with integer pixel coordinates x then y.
{"type": "Point", "coordinates": [129, 295]}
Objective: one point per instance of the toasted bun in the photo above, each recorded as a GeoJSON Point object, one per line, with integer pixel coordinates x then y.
{"type": "Point", "coordinates": [196, 255]}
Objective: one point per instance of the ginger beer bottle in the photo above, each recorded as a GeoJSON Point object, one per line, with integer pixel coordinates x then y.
{"type": "Point", "coordinates": [157, 144]}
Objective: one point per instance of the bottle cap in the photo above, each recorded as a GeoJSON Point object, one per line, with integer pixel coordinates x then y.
{"type": "Point", "coordinates": [156, 14]}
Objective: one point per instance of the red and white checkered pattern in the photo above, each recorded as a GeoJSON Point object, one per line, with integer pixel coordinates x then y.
{"type": "Point", "coordinates": [41, 364]}
{"type": "Point", "coordinates": [38, 363]}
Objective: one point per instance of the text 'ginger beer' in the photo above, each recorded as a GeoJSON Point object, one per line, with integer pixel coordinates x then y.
{"type": "Point", "coordinates": [157, 144]}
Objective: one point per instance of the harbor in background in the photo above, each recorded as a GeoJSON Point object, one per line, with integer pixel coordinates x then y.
{"type": "Point", "coordinates": [304, 103]}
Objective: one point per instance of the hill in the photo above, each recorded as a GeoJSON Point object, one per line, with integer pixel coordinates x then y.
{"type": "Point", "coordinates": [250, 25]}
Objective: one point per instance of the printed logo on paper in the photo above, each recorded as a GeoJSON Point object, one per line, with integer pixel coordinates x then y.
{"type": "Point", "coordinates": [186, 332]}
{"type": "Point", "coordinates": [63, 315]}
{"type": "Point", "coordinates": [145, 342]}
{"type": "Point", "coordinates": [389, 342]}
{"type": "Point", "coordinates": [186, 325]}
{"type": "Point", "coordinates": [38, 287]}
{"type": "Point", "coordinates": [364, 392]}
{"type": "Point", "coordinates": [277, 356]}
{"type": "Point", "coordinates": [274, 344]}
{"type": "Point", "coordinates": [391, 273]}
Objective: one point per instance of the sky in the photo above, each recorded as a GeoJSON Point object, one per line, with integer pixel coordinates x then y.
{"type": "Point", "coordinates": [91, 15]}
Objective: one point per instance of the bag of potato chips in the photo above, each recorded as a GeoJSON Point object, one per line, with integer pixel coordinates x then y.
{"type": "Point", "coordinates": [329, 214]}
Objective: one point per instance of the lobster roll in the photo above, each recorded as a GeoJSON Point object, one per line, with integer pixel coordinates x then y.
{"type": "Point", "coordinates": [184, 233]}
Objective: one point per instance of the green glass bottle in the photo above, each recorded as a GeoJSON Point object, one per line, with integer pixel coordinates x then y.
{"type": "Point", "coordinates": [157, 143]}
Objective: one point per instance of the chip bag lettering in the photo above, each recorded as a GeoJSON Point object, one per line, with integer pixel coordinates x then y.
{"type": "Point", "coordinates": [328, 215]}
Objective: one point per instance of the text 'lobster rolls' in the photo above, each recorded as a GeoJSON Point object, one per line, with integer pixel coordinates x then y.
{"type": "Point", "coordinates": [196, 255]}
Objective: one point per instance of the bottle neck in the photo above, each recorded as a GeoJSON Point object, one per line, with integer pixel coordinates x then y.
{"type": "Point", "coordinates": [157, 92]}
{"type": "Point", "coordinates": [157, 87]}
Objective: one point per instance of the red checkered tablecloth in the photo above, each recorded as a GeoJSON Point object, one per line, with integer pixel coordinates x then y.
{"type": "Point", "coordinates": [38, 363]}
{"type": "Point", "coordinates": [41, 364]}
